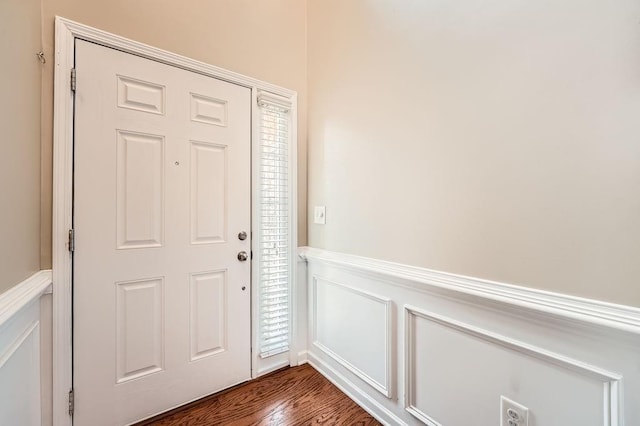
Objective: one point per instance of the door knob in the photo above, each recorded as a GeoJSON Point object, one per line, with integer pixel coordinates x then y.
{"type": "Point", "coordinates": [242, 256]}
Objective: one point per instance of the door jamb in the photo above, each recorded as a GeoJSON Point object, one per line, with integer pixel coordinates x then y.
{"type": "Point", "coordinates": [66, 33]}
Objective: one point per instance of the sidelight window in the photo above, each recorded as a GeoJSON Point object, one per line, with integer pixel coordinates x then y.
{"type": "Point", "coordinates": [274, 239]}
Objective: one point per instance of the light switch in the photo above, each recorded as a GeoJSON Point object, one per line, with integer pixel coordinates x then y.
{"type": "Point", "coordinates": [320, 215]}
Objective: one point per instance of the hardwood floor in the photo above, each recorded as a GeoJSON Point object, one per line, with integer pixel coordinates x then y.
{"type": "Point", "coordinates": [293, 396]}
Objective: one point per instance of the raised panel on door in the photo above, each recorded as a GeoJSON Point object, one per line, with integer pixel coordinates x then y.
{"type": "Point", "coordinates": [141, 95]}
{"type": "Point", "coordinates": [208, 192]}
{"type": "Point", "coordinates": [140, 193]}
{"type": "Point", "coordinates": [208, 316]}
{"type": "Point", "coordinates": [208, 110]}
{"type": "Point", "coordinates": [140, 328]}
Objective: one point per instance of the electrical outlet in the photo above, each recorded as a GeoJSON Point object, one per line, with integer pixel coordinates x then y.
{"type": "Point", "coordinates": [512, 413]}
{"type": "Point", "coordinates": [320, 215]}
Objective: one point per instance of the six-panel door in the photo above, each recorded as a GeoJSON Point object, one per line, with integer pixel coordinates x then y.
{"type": "Point", "coordinates": [161, 191]}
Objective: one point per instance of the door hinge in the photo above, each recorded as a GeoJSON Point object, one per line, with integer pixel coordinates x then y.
{"type": "Point", "coordinates": [73, 79]}
{"type": "Point", "coordinates": [71, 402]}
{"type": "Point", "coordinates": [72, 240]}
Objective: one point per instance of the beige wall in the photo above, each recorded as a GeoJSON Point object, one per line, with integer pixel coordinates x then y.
{"type": "Point", "coordinates": [20, 40]}
{"type": "Point", "coordinates": [261, 39]}
{"type": "Point", "coordinates": [497, 139]}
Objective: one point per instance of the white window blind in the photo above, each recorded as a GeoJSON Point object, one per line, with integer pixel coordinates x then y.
{"type": "Point", "coordinates": [275, 215]}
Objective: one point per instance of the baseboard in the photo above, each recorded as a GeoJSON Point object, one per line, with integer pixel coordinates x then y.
{"type": "Point", "coordinates": [303, 357]}
{"type": "Point", "coordinates": [370, 405]}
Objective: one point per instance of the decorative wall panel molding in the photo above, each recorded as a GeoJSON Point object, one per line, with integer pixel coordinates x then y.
{"type": "Point", "coordinates": [463, 342]}
{"type": "Point", "coordinates": [339, 312]}
{"type": "Point", "coordinates": [531, 359]}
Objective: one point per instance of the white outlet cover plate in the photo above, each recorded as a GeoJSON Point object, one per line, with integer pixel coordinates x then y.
{"type": "Point", "coordinates": [522, 412]}
{"type": "Point", "coordinates": [320, 215]}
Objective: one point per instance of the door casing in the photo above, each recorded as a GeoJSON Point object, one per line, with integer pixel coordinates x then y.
{"type": "Point", "coordinates": [67, 32]}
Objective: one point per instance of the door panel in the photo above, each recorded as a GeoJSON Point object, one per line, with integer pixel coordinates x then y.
{"type": "Point", "coordinates": [208, 193]}
{"type": "Point", "coordinates": [139, 328]}
{"type": "Point", "coordinates": [161, 189]}
{"type": "Point", "coordinates": [140, 190]}
{"type": "Point", "coordinates": [208, 330]}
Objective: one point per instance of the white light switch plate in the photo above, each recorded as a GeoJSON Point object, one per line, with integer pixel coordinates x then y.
{"type": "Point", "coordinates": [320, 215]}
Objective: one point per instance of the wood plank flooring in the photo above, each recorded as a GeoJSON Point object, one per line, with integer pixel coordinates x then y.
{"type": "Point", "coordinates": [293, 396]}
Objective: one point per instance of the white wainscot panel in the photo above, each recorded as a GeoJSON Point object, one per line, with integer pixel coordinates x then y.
{"type": "Point", "coordinates": [208, 110]}
{"type": "Point", "coordinates": [456, 372]}
{"type": "Point", "coordinates": [140, 190]}
{"type": "Point", "coordinates": [21, 387]}
{"type": "Point", "coordinates": [208, 318]}
{"type": "Point", "coordinates": [20, 379]}
{"type": "Point", "coordinates": [354, 328]}
{"type": "Point", "coordinates": [141, 95]}
{"type": "Point", "coordinates": [463, 342]}
{"type": "Point", "coordinates": [208, 193]}
{"type": "Point", "coordinates": [139, 328]}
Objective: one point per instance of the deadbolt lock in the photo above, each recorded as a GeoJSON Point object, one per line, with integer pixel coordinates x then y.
{"type": "Point", "coordinates": [242, 236]}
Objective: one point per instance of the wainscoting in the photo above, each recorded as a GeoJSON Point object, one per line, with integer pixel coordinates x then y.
{"type": "Point", "coordinates": [414, 346]}
{"type": "Point", "coordinates": [20, 352]}
{"type": "Point", "coordinates": [411, 346]}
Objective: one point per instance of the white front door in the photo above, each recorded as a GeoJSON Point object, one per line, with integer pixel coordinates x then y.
{"type": "Point", "coordinates": [161, 191]}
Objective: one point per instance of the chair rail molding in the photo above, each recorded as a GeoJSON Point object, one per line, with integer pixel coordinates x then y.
{"type": "Point", "coordinates": [594, 312]}
{"type": "Point", "coordinates": [21, 295]}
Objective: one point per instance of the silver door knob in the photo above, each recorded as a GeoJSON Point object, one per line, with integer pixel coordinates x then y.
{"type": "Point", "coordinates": [242, 256]}
{"type": "Point", "coordinates": [242, 236]}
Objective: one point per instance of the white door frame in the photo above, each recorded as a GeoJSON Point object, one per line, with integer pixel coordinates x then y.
{"type": "Point", "coordinates": [66, 33]}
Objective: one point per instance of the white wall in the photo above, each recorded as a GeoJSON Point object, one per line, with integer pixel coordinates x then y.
{"type": "Point", "coordinates": [491, 138]}
{"type": "Point", "coordinates": [415, 346]}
